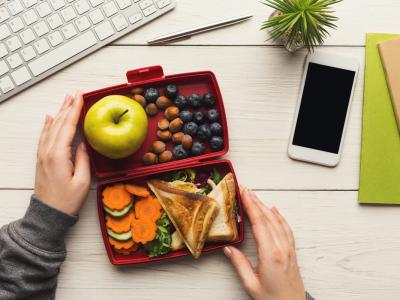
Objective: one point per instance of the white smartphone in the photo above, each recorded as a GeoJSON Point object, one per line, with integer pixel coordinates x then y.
{"type": "Point", "coordinates": [323, 108]}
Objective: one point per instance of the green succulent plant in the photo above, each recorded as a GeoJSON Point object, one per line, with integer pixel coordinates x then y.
{"type": "Point", "coordinates": [301, 21]}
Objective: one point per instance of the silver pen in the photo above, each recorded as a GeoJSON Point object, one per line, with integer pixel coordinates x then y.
{"type": "Point", "coordinates": [179, 35]}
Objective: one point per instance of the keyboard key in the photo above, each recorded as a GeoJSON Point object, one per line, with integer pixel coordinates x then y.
{"type": "Point", "coordinates": [27, 36]}
{"type": "Point", "coordinates": [43, 9]}
{"type": "Point", "coordinates": [57, 4]}
{"type": "Point", "coordinates": [41, 28]}
{"type": "Point", "coordinates": [21, 76]}
{"type": "Point", "coordinates": [120, 22]}
{"type": "Point", "coordinates": [82, 6]}
{"type": "Point", "coordinates": [62, 53]}
{"type": "Point", "coordinates": [122, 4]}
{"type": "Point", "coordinates": [4, 14]}
{"type": "Point", "coordinates": [13, 43]}
{"type": "Point", "coordinates": [68, 14]}
{"type": "Point", "coordinates": [55, 38]}
{"type": "Point", "coordinates": [150, 10]}
{"type": "Point", "coordinates": [96, 2]}
{"type": "Point", "coordinates": [110, 9]}
{"type": "Point", "coordinates": [54, 21]}
{"type": "Point", "coordinates": [145, 3]}
{"type": "Point", "coordinates": [41, 46]}
{"type": "Point", "coordinates": [28, 53]}
{"type": "Point", "coordinates": [14, 60]}
{"type": "Point", "coordinates": [30, 17]}
{"type": "Point", "coordinates": [104, 30]}
{"type": "Point", "coordinates": [6, 84]}
{"type": "Point", "coordinates": [69, 31]}
{"type": "Point", "coordinates": [3, 50]}
{"type": "Point", "coordinates": [3, 67]}
{"type": "Point", "coordinates": [96, 16]}
{"type": "Point", "coordinates": [29, 3]}
{"type": "Point", "coordinates": [16, 24]}
{"type": "Point", "coordinates": [15, 7]}
{"type": "Point", "coordinates": [163, 3]}
{"type": "Point", "coordinates": [4, 32]}
{"type": "Point", "coordinates": [82, 23]}
{"type": "Point", "coordinates": [135, 18]}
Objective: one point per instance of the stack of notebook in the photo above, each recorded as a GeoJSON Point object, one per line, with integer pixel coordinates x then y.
{"type": "Point", "coordinates": [380, 149]}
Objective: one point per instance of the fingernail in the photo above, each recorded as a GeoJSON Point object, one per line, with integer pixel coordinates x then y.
{"type": "Point", "coordinates": [228, 251]}
{"type": "Point", "coordinates": [47, 118]}
{"type": "Point", "coordinates": [83, 146]}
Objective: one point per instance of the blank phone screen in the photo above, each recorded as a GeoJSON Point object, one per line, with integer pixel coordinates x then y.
{"type": "Point", "coordinates": [323, 108]}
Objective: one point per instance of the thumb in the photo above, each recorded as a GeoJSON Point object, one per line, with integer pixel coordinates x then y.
{"type": "Point", "coordinates": [243, 268]}
{"type": "Point", "coordinates": [82, 166]}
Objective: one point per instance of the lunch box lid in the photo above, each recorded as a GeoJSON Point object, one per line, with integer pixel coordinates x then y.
{"type": "Point", "coordinates": [188, 83]}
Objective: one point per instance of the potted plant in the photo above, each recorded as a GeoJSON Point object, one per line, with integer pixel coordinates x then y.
{"type": "Point", "coordinates": [300, 23]}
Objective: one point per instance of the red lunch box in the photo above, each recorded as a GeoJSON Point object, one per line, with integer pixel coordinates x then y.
{"type": "Point", "coordinates": [131, 169]}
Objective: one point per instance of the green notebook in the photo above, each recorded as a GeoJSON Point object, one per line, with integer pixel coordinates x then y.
{"type": "Point", "coordinates": [380, 147]}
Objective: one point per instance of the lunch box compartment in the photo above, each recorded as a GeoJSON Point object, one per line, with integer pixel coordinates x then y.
{"type": "Point", "coordinates": [140, 256]}
{"type": "Point", "coordinates": [132, 169]}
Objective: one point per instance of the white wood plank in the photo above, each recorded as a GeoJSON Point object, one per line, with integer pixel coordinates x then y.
{"type": "Point", "coordinates": [259, 85]}
{"type": "Point", "coordinates": [356, 18]}
{"type": "Point", "coordinates": [346, 251]}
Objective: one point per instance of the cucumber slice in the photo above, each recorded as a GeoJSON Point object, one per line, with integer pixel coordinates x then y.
{"type": "Point", "coordinates": [120, 237]}
{"type": "Point", "coordinates": [118, 213]}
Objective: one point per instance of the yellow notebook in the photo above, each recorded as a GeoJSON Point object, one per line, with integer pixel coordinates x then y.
{"type": "Point", "coordinates": [380, 147]}
{"type": "Point", "coordinates": [390, 56]}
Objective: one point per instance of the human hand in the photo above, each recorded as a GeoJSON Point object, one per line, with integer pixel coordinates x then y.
{"type": "Point", "coordinates": [59, 183]}
{"type": "Point", "coordinates": [277, 275]}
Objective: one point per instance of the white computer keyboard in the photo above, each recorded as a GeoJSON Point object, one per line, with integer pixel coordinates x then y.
{"type": "Point", "coordinates": [40, 37]}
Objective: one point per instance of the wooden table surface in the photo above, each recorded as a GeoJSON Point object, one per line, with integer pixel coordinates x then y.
{"type": "Point", "coordinates": [346, 251]}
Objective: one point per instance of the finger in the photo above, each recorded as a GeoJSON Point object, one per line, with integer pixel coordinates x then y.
{"type": "Point", "coordinates": [68, 129]}
{"type": "Point", "coordinates": [244, 269]}
{"type": "Point", "coordinates": [82, 166]}
{"type": "Point", "coordinates": [286, 226]}
{"type": "Point", "coordinates": [258, 221]}
{"type": "Point", "coordinates": [67, 102]}
{"type": "Point", "coordinates": [44, 134]}
{"type": "Point", "coordinates": [276, 228]}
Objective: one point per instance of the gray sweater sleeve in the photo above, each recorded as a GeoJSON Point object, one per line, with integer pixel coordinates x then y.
{"type": "Point", "coordinates": [32, 250]}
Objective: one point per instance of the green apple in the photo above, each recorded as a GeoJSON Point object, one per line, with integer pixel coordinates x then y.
{"type": "Point", "coordinates": [116, 126]}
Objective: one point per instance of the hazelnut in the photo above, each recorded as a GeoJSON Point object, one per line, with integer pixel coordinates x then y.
{"type": "Point", "coordinates": [163, 124]}
{"type": "Point", "coordinates": [163, 102]}
{"type": "Point", "coordinates": [151, 109]}
{"type": "Point", "coordinates": [139, 99]}
{"type": "Point", "coordinates": [150, 159]}
{"type": "Point", "coordinates": [166, 156]}
{"type": "Point", "coordinates": [158, 147]}
{"type": "Point", "coordinates": [164, 135]}
{"type": "Point", "coordinates": [177, 137]}
{"type": "Point", "coordinates": [172, 112]}
{"type": "Point", "coordinates": [187, 142]}
{"type": "Point", "coordinates": [137, 91]}
{"type": "Point", "coordinates": [175, 125]}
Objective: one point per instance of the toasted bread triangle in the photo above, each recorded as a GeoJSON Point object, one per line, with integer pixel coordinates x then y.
{"type": "Point", "coordinates": [192, 214]}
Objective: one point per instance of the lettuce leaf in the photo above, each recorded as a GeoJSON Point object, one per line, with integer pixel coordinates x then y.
{"type": "Point", "coordinates": [162, 242]}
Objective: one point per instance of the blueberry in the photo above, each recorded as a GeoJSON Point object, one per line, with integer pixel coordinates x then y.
{"type": "Point", "coordinates": [216, 143]}
{"type": "Point", "coordinates": [190, 128]}
{"type": "Point", "coordinates": [199, 117]}
{"type": "Point", "coordinates": [151, 95]}
{"type": "Point", "coordinates": [213, 115]}
{"type": "Point", "coordinates": [216, 128]}
{"type": "Point", "coordinates": [208, 99]}
{"type": "Point", "coordinates": [195, 100]}
{"type": "Point", "coordinates": [170, 91]}
{"type": "Point", "coordinates": [204, 132]}
{"type": "Point", "coordinates": [181, 101]}
{"type": "Point", "coordinates": [179, 152]}
{"type": "Point", "coordinates": [186, 116]}
{"type": "Point", "coordinates": [198, 148]}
